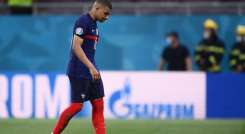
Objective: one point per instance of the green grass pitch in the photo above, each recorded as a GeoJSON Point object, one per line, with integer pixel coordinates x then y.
{"type": "Point", "coordinates": [83, 126]}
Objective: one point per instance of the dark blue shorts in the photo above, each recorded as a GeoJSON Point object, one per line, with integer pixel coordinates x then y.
{"type": "Point", "coordinates": [83, 89]}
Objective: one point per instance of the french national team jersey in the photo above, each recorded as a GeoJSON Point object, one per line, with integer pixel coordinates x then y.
{"type": "Point", "coordinates": [86, 28]}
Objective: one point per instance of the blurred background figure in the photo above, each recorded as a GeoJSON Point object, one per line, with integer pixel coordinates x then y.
{"type": "Point", "coordinates": [20, 7]}
{"type": "Point", "coordinates": [210, 51]}
{"type": "Point", "coordinates": [237, 55]}
{"type": "Point", "coordinates": [175, 57]}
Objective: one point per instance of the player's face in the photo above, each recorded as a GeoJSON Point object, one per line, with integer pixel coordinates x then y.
{"type": "Point", "coordinates": [103, 13]}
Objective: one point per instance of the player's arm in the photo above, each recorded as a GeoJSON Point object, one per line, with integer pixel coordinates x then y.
{"type": "Point", "coordinates": [76, 47]}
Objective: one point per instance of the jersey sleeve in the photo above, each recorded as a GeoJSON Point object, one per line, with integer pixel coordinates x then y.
{"type": "Point", "coordinates": [80, 28]}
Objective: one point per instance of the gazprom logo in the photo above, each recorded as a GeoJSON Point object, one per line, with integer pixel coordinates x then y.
{"type": "Point", "coordinates": [119, 103]}
{"type": "Point", "coordinates": [121, 106]}
{"type": "Point", "coordinates": [33, 95]}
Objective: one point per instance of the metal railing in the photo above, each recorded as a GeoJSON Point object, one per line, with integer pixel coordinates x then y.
{"type": "Point", "coordinates": [186, 8]}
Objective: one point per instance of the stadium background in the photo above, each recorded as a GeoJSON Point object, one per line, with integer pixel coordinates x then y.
{"type": "Point", "coordinates": [34, 52]}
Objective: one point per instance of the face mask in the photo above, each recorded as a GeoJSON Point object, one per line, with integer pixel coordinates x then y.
{"type": "Point", "coordinates": [169, 41]}
{"type": "Point", "coordinates": [206, 34]}
{"type": "Point", "coordinates": [238, 38]}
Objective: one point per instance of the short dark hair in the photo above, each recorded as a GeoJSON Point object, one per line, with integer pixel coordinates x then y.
{"type": "Point", "coordinates": [105, 3]}
{"type": "Point", "coordinates": [173, 34]}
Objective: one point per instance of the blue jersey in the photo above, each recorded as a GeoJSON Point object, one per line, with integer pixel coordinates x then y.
{"type": "Point", "coordinates": [86, 28]}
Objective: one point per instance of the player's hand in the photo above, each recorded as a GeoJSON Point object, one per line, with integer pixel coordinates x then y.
{"type": "Point", "coordinates": [95, 74]}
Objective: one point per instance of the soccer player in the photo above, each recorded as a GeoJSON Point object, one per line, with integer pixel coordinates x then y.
{"type": "Point", "coordinates": [86, 83]}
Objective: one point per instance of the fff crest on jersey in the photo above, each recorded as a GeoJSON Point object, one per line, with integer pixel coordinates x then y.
{"type": "Point", "coordinates": [79, 31]}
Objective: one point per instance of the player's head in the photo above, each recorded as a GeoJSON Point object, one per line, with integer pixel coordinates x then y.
{"type": "Point", "coordinates": [101, 10]}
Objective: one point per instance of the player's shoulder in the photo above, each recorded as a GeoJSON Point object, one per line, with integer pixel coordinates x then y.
{"type": "Point", "coordinates": [82, 20]}
{"type": "Point", "coordinates": [83, 17]}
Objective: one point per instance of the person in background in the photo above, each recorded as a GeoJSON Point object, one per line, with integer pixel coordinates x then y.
{"type": "Point", "coordinates": [175, 57]}
{"type": "Point", "coordinates": [20, 7]}
{"type": "Point", "coordinates": [210, 51]}
{"type": "Point", "coordinates": [237, 55]}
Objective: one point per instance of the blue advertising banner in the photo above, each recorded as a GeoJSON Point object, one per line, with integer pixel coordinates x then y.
{"type": "Point", "coordinates": [34, 95]}
{"type": "Point", "coordinates": [226, 95]}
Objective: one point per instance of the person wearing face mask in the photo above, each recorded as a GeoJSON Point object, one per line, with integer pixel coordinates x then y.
{"type": "Point", "coordinates": [210, 51]}
{"type": "Point", "coordinates": [175, 56]}
{"type": "Point", "coordinates": [237, 55]}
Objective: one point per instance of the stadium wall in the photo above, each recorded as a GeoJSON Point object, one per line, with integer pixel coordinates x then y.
{"type": "Point", "coordinates": [129, 95]}
{"type": "Point", "coordinates": [129, 42]}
